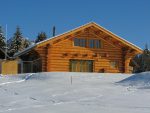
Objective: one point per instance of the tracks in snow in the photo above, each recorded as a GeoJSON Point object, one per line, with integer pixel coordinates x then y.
{"type": "Point", "coordinates": [18, 81]}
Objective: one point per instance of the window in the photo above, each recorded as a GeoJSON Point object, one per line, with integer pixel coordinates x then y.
{"type": "Point", "coordinates": [97, 44]}
{"type": "Point", "coordinates": [80, 42]}
{"type": "Point", "coordinates": [83, 42]}
{"type": "Point", "coordinates": [114, 64]}
{"type": "Point", "coordinates": [94, 43]}
{"type": "Point", "coordinates": [81, 65]}
{"type": "Point", "coordinates": [91, 43]}
{"type": "Point", "coordinates": [76, 42]}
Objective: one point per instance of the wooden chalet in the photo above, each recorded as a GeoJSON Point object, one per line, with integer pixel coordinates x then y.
{"type": "Point", "coordinates": [88, 48]}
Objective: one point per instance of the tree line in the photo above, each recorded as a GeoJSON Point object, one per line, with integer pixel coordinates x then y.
{"type": "Point", "coordinates": [17, 42]}
{"type": "Point", "coordinates": [141, 62]}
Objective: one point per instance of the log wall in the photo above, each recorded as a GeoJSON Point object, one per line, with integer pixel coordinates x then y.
{"type": "Point", "coordinates": [59, 55]}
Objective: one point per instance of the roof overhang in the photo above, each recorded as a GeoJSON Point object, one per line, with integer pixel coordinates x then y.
{"type": "Point", "coordinates": [91, 24]}
{"type": "Point", "coordinates": [24, 51]}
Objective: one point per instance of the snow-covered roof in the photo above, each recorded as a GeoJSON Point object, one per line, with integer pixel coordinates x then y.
{"type": "Point", "coordinates": [34, 45]}
{"type": "Point", "coordinates": [90, 23]}
{"type": "Point", "coordinates": [25, 50]}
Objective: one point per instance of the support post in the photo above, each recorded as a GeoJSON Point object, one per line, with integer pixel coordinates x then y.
{"type": "Point", "coordinates": [127, 67]}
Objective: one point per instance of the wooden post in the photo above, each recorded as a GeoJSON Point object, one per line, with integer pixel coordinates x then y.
{"type": "Point", "coordinates": [43, 56]}
{"type": "Point", "coordinates": [71, 80]}
{"type": "Point", "coordinates": [31, 66]}
{"type": "Point", "coordinates": [127, 62]}
{"type": "Point", "coordinates": [22, 70]}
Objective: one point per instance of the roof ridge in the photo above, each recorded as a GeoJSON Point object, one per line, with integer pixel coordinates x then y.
{"type": "Point", "coordinates": [92, 23]}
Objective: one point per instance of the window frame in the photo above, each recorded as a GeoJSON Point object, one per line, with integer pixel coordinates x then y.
{"type": "Point", "coordinates": [80, 42]}
{"type": "Point", "coordinates": [99, 44]}
{"type": "Point", "coordinates": [91, 43]}
{"type": "Point", "coordinates": [88, 43]}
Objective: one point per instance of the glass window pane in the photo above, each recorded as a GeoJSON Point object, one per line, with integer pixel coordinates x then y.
{"type": "Point", "coordinates": [91, 43]}
{"type": "Point", "coordinates": [83, 42]}
{"type": "Point", "coordinates": [80, 42]}
{"type": "Point", "coordinates": [97, 43]}
{"type": "Point", "coordinates": [76, 42]}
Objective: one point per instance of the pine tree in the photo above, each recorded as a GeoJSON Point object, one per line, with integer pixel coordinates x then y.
{"type": "Point", "coordinates": [2, 39]}
{"type": "Point", "coordinates": [17, 43]}
{"type": "Point", "coordinates": [41, 36]}
{"type": "Point", "coordinates": [146, 59]}
{"type": "Point", "coordinates": [143, 61]}
{"type": "Point", "coordinates": [25, 43]}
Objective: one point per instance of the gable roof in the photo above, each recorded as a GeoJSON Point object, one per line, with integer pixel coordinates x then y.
{"type": "Point", "coordinates": [47, 41]}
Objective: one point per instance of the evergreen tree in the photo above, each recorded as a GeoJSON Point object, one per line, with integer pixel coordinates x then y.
{"type": "Point", "coordinates": [26, 43]}
{"type": "Point", "coordinates": [17, 43]}
{"type": "Point", "coordinates": [2, 39]}
{"type": "Point", "coordinates": [142, 61]}
{"type": "Point", "coordinates": [145, 59]}
{"type": "Point", "coordinates": [41, 36]}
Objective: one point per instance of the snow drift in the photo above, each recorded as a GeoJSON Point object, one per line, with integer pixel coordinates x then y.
{"type": "Point", "coordinates": [139, 80]}
{"type": "Point", "coordinates": [72, 93]}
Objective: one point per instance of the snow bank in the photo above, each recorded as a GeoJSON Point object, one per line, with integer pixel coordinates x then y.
{"type": "Point", "coordinates": [140, 80]}
{"type": "Point", "coordinates": [55, 93]}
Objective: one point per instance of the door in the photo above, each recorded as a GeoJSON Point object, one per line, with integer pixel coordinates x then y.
{"type": "Point", "coordinates": [81, 65]}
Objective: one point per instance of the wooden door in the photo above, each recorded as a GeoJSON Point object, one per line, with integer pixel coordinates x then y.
{"type": "Point", "coordinates": [81, 65]}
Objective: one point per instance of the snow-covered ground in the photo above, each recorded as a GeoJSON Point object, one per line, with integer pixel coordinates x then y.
{"type": "Point", "coordinates": [75, 93]}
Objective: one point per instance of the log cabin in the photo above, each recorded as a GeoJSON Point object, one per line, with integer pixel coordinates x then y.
{"type": "Point", "coordinates": [88, 48]}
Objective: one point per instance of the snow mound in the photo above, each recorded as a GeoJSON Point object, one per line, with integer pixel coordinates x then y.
{"type": "Point", "coordinates": [69, 92]}
{"type": "Point", "coordinates": [140, 80]}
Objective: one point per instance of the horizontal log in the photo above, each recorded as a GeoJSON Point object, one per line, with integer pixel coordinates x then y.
{"type": "Point", "coordinates": [82, 48]}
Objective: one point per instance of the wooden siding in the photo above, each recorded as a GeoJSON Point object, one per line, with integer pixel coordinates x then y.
{"type": "Point", "coordinates": [9, 67]}
{"type": "Point", "coordinates": [56, 53]}
{"type": "Point", "coordinates": [42, 51]}
{"type": "Point", "coordinates": [59, 55]}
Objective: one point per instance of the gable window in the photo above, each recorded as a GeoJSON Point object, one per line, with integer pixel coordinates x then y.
{"type": "Point", "coordinates": [80, 42]}
{"type": "Point", "coordinates": [97, 44]}
{"type": "Point", "coordinates": [76, 42]}
{"type": "Point", "coordinates": [91, 43]}
{"type": "Point", "coordinates": [83, 42]}
{"type": "Point", "coordinates": [114, 64]}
